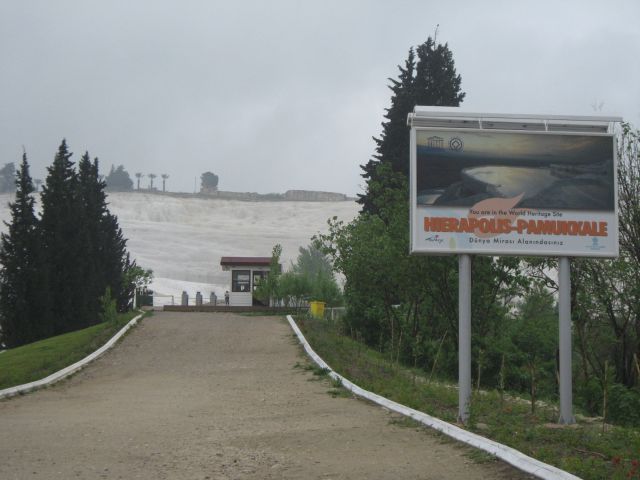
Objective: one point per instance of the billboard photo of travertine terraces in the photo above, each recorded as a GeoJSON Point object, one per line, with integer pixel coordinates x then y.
{"type": "Point", "coordinates": [517, 193]}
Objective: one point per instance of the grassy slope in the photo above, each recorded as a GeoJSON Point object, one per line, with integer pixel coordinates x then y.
{"type": "Point", "coordinates": [583, 449]}
{"type": "Point", "coordinates": [39, 359]}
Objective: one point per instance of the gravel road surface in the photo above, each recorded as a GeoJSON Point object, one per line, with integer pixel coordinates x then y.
{"type": "Point", "coordinates": [215, 396]}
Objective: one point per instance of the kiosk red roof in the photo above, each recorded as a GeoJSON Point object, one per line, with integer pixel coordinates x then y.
{"type": "Point", "coordinates": [245, 261]}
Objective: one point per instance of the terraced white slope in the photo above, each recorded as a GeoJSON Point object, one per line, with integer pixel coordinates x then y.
{"type": "Point", "coordinates": [182, 239]}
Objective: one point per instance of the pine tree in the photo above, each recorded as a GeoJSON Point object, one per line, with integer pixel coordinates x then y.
{"type": "Point", "coordinates": [92, 208]}
{"type": "Point", "coordinates": [116, 261]}
{"type": "Point", "coordinates": [432, 80]}
{"type": "Point", "coordinates": [62, 237]}
{"type": "Point", "coordinates": [24, 306]}
{"type": "Point", "coordinates": [103, 244]}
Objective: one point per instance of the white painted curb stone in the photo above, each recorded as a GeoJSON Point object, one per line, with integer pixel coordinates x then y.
{"type": "Point", "coordinates": [71, 369]}
{"type": "Point", "coordinates": [507, 454]}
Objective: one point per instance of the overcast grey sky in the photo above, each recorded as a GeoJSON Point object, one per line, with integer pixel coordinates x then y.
{"type": "Point", "coordinates": [282, 94]}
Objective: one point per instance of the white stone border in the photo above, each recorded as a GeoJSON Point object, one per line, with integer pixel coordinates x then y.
{"type": "Point", "coordinates": [507, 454]}
{"type": "Point", "coordinates": [71, 369]}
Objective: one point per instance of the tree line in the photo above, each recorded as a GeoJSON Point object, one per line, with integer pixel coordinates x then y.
{"type": "Point", "coordinates": [310, 278]}
{"type": "Point", "coordinates": [407, 306]}
{"type": "Point", "coordinates": [59, 268]}
{"type": "Point", "coordinates": [119, 180]}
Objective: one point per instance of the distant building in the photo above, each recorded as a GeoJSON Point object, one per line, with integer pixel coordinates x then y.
{"type": "Point", "coordinates": [246, 275]}
{"type": "Point", "coordinates": [314, 196]}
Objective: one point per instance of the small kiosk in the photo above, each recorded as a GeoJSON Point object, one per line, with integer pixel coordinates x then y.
{"type": "Point", "coordinates": [246, 275]}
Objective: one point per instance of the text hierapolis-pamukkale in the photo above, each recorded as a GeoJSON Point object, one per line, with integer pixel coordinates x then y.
{"type": "Point", "coordinates": [521, 226]}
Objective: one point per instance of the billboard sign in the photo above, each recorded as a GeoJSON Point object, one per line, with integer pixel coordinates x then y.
{"type": "Point", "coordinates": [508, 192]}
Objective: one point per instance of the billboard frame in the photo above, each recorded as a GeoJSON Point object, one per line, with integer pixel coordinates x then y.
{"type": "Point", "coordinates": [492, 249]}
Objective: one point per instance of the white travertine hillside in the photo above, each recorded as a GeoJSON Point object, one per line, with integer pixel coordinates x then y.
{"type": "Point", "coordinates": [182, 239]}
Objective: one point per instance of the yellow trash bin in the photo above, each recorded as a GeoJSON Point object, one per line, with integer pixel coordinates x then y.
{"type": "Point", "coordinates": [316, 309]}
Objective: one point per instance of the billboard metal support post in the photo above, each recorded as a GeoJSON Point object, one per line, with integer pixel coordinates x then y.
{"type": "Point", "coordinates": [464, 337]}
{"type": "Point", "coordinates": [564, 307]}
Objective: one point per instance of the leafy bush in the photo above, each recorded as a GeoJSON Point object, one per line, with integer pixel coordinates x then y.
{"type": "Point", "coordinates": [589, 396]}
{"type": "Point", "coordinates": [108, 306]}
{"type": "Point", "coordinates": [623, 405]}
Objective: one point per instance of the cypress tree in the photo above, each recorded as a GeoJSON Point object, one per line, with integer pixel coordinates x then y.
{"type": "Point", "coordinates": [436, 81]}
{"type": "Point", "coordinates": [390, 146]}
{"type": "Point", "coordinates": [105, 245]}
{"type": "Point", "coordinates": [24, 305]}
{"type": "Point", "coordinates": [63, 233]}
{"type": "Point", "coordinates": [116, 261]}
{"type": "Point", "coordinates": [92, 205]}
{"type": "Point", "coordinates": [431, 80]}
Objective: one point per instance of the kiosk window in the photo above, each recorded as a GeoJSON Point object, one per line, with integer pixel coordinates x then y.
{"type": "Point", "coordinates": [258, 278]}
{"type": "Point", "coordinates": [240, 280]}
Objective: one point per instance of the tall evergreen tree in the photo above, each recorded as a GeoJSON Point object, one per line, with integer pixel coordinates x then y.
{"type": "Point", "coordinates": [92, 208]}
{"type": "Point", "coordinates": [62, 237]}
{"type": "Point", "coordinates": [431, 80]}
{"type": "Point", "coordinates": [436, 82]}
{"type": "Point", "coordinates": [116, 262]}
{"type": "Point", "coordinates": [86, 250]}
{"type": "Point", "coordinates": [104, 245]}
{"type": "Point", "coordinates": [24, 306]}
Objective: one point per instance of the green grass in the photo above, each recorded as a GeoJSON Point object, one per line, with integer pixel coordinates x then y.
{"type": "Point", "coordinates": [39, 359]}
{"type": "Point", "coordinates": [582, 449]}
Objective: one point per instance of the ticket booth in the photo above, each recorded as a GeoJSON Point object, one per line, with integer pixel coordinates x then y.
{"type": "Point", "coordinates": [246, 275]}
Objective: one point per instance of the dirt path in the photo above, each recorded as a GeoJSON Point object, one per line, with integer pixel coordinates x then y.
{"type": "Point", "coordinates": [214, 396]}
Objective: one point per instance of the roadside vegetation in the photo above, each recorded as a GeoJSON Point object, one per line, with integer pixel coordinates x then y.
{"type": "Point", "coordinates": [310, 278]}
{"type": "Point", "coordinates": [407, 306]}
{"type": "Point", "coordinates": [401, 311]}
{"type": "Point", "coordinates": [37, 360]}
{"type": "Point", "coordinates": [589, 449]}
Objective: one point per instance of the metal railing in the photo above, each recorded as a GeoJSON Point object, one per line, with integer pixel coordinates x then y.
{"type": "Point", "coordinates": [162, 300]}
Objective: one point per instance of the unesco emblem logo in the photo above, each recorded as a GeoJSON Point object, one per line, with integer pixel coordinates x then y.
{"type": "Point", "coordinates": [456, 144]}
